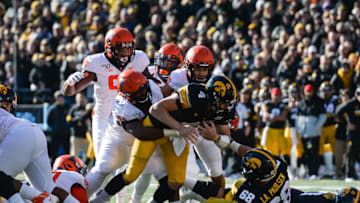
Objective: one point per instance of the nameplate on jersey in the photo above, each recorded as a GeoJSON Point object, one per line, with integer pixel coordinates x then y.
{"type": "Point", "coordinates": [277, 185]}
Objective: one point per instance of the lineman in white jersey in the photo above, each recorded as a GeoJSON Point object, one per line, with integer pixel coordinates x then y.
{"type": "Point", "coordinates": [25, 145]}
{"type": "Point", "coordinates": [199, 63]}
{"type": "Point", "coordinates": [68, 173]}
{"type": "Point", "coordinates": [103, 69]}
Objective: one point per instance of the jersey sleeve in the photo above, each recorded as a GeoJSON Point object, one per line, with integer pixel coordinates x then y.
{"type": "Point", "coordinates": [141, 61]}
{"type": "Point", "coordinates": [89, 64]}
{"type": "Point", "coordinates": [175, 80]}
{"type": "Point", "coordinates": [124, 111]}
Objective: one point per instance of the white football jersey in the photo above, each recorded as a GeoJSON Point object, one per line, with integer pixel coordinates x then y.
{"type": "Point", "coordinates": [7, 120]}
{"type": "Point", "coordinates": [154, 72]}
{"type": "Point", "coordinates": [106, 75]}
{"type": "Point", "coordinates": [178, 78]}
{"type": "Point", "coordinates": [124, 110]}
{"type": "Point", "coordinates": [67, 179]}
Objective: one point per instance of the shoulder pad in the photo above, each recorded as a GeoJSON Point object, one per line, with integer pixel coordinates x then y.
{"type": "Point", "coordinates": [191, 95]}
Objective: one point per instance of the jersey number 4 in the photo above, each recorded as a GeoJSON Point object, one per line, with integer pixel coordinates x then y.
{"type": "Point", "coordinates": [112, 82]}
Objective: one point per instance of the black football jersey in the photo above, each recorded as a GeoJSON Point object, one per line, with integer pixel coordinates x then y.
{"type": "Point", "coordinates": [275, 110]}
{"type": "Point", "coordinates": [194, 107]}
{"type": "Point", "coordinates": [330, 111]}
{"type": "Point", "coordinates": [276, 190]}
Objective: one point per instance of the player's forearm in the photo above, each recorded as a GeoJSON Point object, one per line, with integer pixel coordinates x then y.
{"type": "Point", "coordinates": [69, 90]}
{"type": "Point", "coordinates": [163, 116]}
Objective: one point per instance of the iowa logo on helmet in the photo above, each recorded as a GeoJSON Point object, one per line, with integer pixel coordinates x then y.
{"type": "Point", "coordinates": [3, 90]}
{"type": "Point", "coordinates": [221, 88]}
{"type": "Point", "coordinates": [254, 163]}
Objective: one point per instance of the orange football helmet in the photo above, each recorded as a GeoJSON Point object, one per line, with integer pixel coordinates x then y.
{"type": "Point", "coordinates": [199, 57]}
{"type": "Point", "coordinates": [70, 163]}
{"type": "Point", "coordinates": [168, 58]}
{"type": "Point", "coordinates": [119, 46]}
{"type": "Point", "coordinates": [133, 86]}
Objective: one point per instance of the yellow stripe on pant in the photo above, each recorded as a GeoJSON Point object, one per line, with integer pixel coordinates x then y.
{"type": "Point", "coordinates": [327, 139]}
{"type": "Point", "coordinates": [142, 151]}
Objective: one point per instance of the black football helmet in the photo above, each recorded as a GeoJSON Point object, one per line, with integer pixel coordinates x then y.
{"type": "Point", "coordinates": [258, 165]}
{"type": "Point", "coordinates": [8, 95]}
{"type": "Point", "coordinates": [348, 195]}
{"type": "Point", "coordinates": [222, 91]}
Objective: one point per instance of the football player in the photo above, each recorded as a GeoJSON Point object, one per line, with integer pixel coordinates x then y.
{"type": "Point", "coordinates": [199, 66]}
{"type": "Point", "coordinates": [274, 115]}
{"type": "Point", "coordinates": [32, 156]}
{"type": "Point", "coordinates": [266, 180]}
{"type": "Point", "coordinates": [103, 69]}
{"type": "Point", "coordinates": [328, 131]}
{"type": "Point", "coordinates": [68, 173]}
{"type": "Point", "coordinates": [136, 95]}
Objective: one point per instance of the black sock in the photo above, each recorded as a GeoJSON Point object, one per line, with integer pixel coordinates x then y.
{"type": "Point", "coordinates": [163, 192]}
{"type": "Point", "coordinates": [7, 188]}
{"type": "Point", "coordinates": [206, 189]}
{"type": "Point", "coordinates": [116, 184]}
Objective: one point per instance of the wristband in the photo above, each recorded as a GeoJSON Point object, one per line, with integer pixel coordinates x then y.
{"type": "Point", "coordinates": [170, 133]}
{"type": "Point", "coordinates": [223, 141]}
{"type": "Point", "coordinates": [234, 146]}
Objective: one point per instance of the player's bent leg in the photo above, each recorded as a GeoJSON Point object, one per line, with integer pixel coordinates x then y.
{"type": "Point", "coordinates": [38, 171]}
{"type": "Point", "coordinates": [20, 156]}
{"type": "Point", "coordinates": [210, 155]}
{"type": "Point", "coordinates": [98, 132]}
{"type": "Point", "coordinates": [114, 154]}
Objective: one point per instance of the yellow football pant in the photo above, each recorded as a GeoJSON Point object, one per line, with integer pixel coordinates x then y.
{"type": "Point", "coordinates": [142, 151]}
{"type": "Point", "coordinates": [299, 146]}
{"type": "Point", "coordinates": [327, 137]}
{"type": "Point", "coordinates": [275, 141]}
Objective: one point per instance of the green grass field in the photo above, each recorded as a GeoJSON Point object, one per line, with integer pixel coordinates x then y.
{"type": "Point", "coordinates": [305, 185]}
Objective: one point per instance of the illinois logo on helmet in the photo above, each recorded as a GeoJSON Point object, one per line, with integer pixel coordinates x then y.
{"type": "Point", "coordinates": [168, 58]}
{"type": "Point", "coordinates": [133, 86]}
{"type": "Point", "coordinates": [199, 57]}
{"type": "Point", "coordinates": [119, 46]}
{"type": "Point", "coordinates": [70, 163]}
{"type": "Point", "coordinates": [8, 95]}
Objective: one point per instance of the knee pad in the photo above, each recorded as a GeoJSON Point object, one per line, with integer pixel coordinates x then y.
{"type": "Point", "coordinates": [6, 187]}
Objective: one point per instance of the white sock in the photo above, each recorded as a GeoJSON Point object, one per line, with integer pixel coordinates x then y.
{"type": "Point", "coordinates": [328, 160]}
{"type": "Point", "coordinates": [177, 201]}
{"type": "Point", "coordinates": [141, 184]}
{"type": "Point", "coordinates": [28, 192]}
{"type": "Point", "coordinates": [70, 199]}
{"type": "Point", "coordinates": [102, 196]}
{"type": "Point", "coordinates": [16, 198]}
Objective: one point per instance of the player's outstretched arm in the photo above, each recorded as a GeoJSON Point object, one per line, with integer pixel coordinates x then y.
{"type": "Point", "coordinates": [208, 131]}
{"type": "Point", "coordinates": [77, 82]}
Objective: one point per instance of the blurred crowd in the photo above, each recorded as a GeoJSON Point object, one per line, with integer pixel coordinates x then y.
{"type": "Point", "coordinates": [259, 44]}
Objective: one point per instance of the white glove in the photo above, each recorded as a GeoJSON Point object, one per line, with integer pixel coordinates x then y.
{"type": "Point", "coordinates": [74, 78]}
